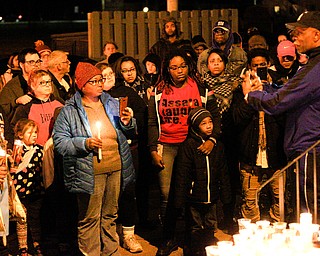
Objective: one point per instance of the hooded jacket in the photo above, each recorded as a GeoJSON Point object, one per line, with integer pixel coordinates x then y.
{"type": "Point", "coordinates": [237, 57]}
{"type": "Point", "coordinates": [70, 132]}
{"type": "Point", "coordinates": [201, 178]}
{"type": "Point", "coordinates": [163, 46]}
{"type": "Point", "coordinates": [281, 75]}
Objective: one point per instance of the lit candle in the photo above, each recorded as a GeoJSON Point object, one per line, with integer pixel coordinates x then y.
{"type": "Point", "coordinates": [305, 218]}
{"type": "Point", "coordinates": [98, 124]}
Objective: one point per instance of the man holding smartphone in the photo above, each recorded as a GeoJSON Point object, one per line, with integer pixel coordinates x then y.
{"type": "Point", "coordinates": [260, 140]}
{"type": "Point", "coordinates": [299, 99]}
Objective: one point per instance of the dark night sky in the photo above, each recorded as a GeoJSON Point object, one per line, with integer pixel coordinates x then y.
{"type": "Point", "coordinates": [64, 9]}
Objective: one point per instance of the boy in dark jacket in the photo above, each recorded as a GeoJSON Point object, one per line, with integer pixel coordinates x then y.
{"type": "Point", "coordinates": [199, 179]}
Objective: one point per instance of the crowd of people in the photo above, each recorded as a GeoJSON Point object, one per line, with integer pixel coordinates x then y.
{"type": "Point", "coordinates": [211, 121]}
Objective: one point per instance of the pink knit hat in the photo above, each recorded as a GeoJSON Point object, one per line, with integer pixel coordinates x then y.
{"type": "Point", "coordinates": [286, 48]}
{"type": "Point", "coordinates": [84, 72]}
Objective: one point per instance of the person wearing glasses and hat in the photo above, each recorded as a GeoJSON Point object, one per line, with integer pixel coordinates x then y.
{"type": "Point", "coordinates": [299, 98]}
{"type": "Point", "coordinates": [91, 135]}
{"type": "Point", "coordinates": [286, 65]}
{"type": "Point", "coordinates": [222, 38]}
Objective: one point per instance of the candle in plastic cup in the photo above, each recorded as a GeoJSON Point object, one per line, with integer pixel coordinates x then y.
{"type": "Point", "coordinates": [240, 240]}
{"type": "Point", "coordinates": [17, 153]}
{"type": "Point", "coordinates": [305, 218]}
{"type": "Point", "coordinates": [225, 248]}
{"type": "Point", "coordinates": [212, 250]}
{"type": "Point", "coordinates": [243, 223]}
{"type": "Point", "coordinates": [262, 224]}
{"type": "Point", "coordinates": [279, 226]}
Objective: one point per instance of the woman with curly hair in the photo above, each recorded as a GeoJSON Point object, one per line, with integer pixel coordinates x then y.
{"type": "Point", "coordinates": [173, 98]}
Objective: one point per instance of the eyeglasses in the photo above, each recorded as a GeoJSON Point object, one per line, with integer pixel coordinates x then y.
{"type": "Point", "coordinates": [46, 83]}
{"type": "Point", "coordinates": [175, 68]}
{"type": "Point", "coordinates": [260, 65]}
{"type": "Point", "coordinates": [125, 71]}
{"type": "Point", "coordinates": [95, 82]}
{"type": "Point", "coordinates": [33, 62]}
{"type": "Point", "coordinates": [287, 58]}
{"type": "Point", "coordinates": [220, 31]}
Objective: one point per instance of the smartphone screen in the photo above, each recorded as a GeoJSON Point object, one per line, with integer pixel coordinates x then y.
{"type": "Point", "coordinates": [123, 103]}
{"type": "Point", "coordinates": [262, 73]}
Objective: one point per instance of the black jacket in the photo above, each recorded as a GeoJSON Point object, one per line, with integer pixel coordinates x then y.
{"type": "Point", "coordinates": [281, 75]}
{"type": "Point", "coordinates": [201, 178]}
{"type": "Point", "coordinates": [247, 120]}
{"type": "Point", "coordinates": [137, 104]}
{"type": "Point", "coordinates": [65, 95]}
{"type": "Point", "coordinates": [163, 46]}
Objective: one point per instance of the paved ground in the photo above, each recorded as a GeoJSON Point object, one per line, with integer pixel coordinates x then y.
{"type": "Point", "coordinates": [149, 239]}
{"type": "Point", "coordinates": [150, 249]}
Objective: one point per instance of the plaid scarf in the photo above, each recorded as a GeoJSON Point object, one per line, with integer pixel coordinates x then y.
{"type": "Point", "coordinates": [222, 87]}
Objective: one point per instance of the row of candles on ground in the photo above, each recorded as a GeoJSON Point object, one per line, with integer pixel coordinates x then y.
{"type": "Point", "coordinates": [263, 239]}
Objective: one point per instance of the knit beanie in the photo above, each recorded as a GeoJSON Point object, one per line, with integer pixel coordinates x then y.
{"type": "Point", "coordinates": [196, 116]}
{"type": "Point", "coordinates": [197, 41]}
{"type": "Point", "coordinates": [84, 72]}
{"type": "Point", "coordinates": [154, 58]}
{"type": "Point", "coordinates": [41, 47]}
{"type": "Point", "coordinates": [114, 57]}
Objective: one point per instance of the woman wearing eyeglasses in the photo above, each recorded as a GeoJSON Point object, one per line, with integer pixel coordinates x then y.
{"type": "Point", "coordinates": [91, 136]}
{"type": "Point", "coordinates": [42, 105]}
{"type": "Point", "coordinates": [129, 83]}
{"type": "Point", "coordinates": [174, 97]}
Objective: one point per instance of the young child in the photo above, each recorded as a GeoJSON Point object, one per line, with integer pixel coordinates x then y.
{"type": "Point", "coordinates": [200, 181]}
{"type": "Point", "coordinates": [27, 177]}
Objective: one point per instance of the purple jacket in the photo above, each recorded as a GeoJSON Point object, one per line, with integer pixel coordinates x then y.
{"type": "Point", "coordinates": [299, 98]}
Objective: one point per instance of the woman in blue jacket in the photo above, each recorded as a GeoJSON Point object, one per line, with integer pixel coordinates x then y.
{"type": "Point", "coordinates": [96, 158]}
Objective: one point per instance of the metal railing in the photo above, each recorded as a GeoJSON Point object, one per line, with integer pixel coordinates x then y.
{"type": "Point", "coordinates": [281, 175]}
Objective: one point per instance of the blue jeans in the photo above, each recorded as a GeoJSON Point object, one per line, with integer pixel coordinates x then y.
{"type": "Point", "coordinates": [97, 215]}
{"type": "Point", "coordinates": [169, 154]}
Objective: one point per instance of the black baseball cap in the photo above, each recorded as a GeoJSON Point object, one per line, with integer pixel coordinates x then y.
{"type": "Point", "coordinates": [306, 20]}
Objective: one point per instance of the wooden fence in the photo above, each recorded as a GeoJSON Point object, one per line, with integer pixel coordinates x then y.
{"type": "Point", "coordinates": [136, 32]}
{"type": "Point", "coordinates": [74, 43]}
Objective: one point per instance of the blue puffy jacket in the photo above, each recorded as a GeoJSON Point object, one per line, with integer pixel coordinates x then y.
{"type": "Point", "coordinates": [71, 129]}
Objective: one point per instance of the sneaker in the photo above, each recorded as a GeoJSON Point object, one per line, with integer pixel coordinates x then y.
{"type": "Point", "coordinates": [131, 244]}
